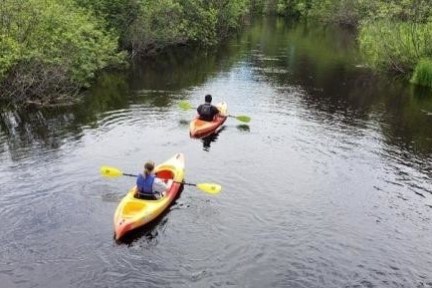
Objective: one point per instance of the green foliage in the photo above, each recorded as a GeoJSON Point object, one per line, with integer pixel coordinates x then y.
{"type": "Point", "coordinates": [257, 6]}
{"type": "Point", "coordinates": [55, 46]}
{"type": "Point", "coordinates": [293, 8]}
{"type": "Point", "coordinates": [423, 73]}
{"type": "Point", "coordinates": [337, 11]}
{"type": "Point", "coordinates": [118, 14]}
{"type": "Point", "coordinates": [199, 23]}
{"type": "Point", "coordinates": [397, 46]}
{"type": "Point", "coordinates": [348, 12]}
{"type": "Point", "coordinates": [158, 24]}
{"type": "Point", "coordinates": [394, 35]}
{"type": "Point", "coordinates": [290, 8]}
{"type": "Point", "coordinates": [167, 22]}
{"type": "Point", "coordinates": [229, 14]}
{"type": "Point", "coordinates": [69, 41]}
{"type": "Point", "coordinates": [54, 36]}
{"type": "Point", "coordinates": [399, 10]}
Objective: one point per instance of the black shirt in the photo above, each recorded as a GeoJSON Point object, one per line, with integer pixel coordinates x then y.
{"type": "Point", "coordinates": [207, 112]}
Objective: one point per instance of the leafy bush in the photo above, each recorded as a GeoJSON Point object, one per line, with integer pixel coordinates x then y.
{"type": "Point", "coordinates": [118, 14]}
{"type": "Point", "coordinates": [158, 24]}
{"type": "Point", "coordinates": [58, 43]}
{"type": "Point", "coordinates": [167, 22]}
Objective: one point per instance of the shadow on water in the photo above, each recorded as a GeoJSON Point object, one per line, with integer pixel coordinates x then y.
{"type": "Point", "coordinates": [49, 128]}
{"type": "Point", "coordinates": [184, 122]}
{"type": "Point", "coordinates": [243, 127]}
{"type": "Point", "coordinates": [150, 231]}
{"type": "Point", "coordinates": [207, 140]}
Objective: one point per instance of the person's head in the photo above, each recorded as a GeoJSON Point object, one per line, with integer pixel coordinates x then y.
{"type": "Point", "coordinates": [208, 98]}
{"type": "Point", "coordinates": [149, 167]}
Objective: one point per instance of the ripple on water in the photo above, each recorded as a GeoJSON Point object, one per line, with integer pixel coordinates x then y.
{"type": "Point", "coordinates": [320, 190]}
{"type": "Point", "coordinates": [114, 118]}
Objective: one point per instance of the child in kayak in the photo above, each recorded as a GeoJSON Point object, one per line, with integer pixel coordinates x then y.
{"type": "Point", "coordinates": [148, 185]}
{"type": "Point", "coordinates": [206, 111]}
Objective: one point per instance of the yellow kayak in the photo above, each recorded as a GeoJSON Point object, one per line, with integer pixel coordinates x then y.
{"type": "Point", "coordinates": [132, 212]}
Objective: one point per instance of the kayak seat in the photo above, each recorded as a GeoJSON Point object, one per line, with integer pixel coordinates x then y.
{"type": "Point", "coordinates": [145, 197]}
{"type": "Point", "coordinates": [165, 175]}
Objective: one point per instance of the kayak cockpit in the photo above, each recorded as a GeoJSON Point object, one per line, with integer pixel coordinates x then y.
{"type": "Point", "coordinates": [165, 174]}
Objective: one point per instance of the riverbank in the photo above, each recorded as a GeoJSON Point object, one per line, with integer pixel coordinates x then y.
{"type": "Point", "coordinates": [53, 50]}
{"type": "Point", "coordinates": [393, 37]}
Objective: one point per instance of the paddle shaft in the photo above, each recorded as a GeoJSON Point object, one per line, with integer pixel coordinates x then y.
{"type": "Point", "coordinates": [184, 183]}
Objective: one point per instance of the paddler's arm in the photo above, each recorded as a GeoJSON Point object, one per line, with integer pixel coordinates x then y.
{"type": "Point", "coordinates": [159, 186]}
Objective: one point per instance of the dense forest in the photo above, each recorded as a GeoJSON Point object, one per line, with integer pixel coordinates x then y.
{"type": "Point", "coordinates": [51, 49]}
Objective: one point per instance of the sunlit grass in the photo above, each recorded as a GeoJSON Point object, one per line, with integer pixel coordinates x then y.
{"type": "Point", "coordinates": [423, 73]}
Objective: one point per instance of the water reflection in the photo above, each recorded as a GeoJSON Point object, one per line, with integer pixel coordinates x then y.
{"type": "Point", "coordinates": [155, 82]}
{"type": "Point", "coordinates": [184, 122]}
{"type": "Point", "coordinates": [322, 64]}
{"type": "Point", "coordinates": [182, 68]}
{"type": "Point", "coordinates": [207, 140]}
{"type": "Point", "coordinates": [29, 129]}
{"type": "Point", "coordinates": [243, 127]}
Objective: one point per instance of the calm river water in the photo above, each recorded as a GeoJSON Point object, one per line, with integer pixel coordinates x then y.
{"type": "Point", "coordinates": [328, 186]}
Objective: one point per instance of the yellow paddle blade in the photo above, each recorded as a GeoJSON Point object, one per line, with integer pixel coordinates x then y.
{"type": "Point", "coordinates": [210, 188]}
{"type": "Point", "coordinates": [110, 171]}
{"type": "Point", "coordinates": [185, 105]}
{"type": "Point", "coordinates": [243, 118]}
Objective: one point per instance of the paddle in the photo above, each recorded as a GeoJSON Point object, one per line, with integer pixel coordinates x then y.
{"type": "Point", "coordinates": [185, 105]}
{"type": "Point", "coordinates": [210, 188]}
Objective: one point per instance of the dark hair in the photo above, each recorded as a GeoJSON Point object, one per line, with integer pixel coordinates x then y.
{"type": "Point", "coordinates": [148, 167]}
{"type": "Point", "coordinates": [208, 98]}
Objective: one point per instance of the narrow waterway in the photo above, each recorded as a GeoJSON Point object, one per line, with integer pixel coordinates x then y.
{"type": "Point", "coordinates": [328, 186]}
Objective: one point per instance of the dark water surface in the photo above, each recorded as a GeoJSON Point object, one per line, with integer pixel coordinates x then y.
{"type": "Point", "coordinates": [328, 186]}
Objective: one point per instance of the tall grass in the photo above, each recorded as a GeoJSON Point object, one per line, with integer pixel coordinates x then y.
{"type": "Point", "coordinates": [400, 47]}
{"type": "Point", "coordinates": [396, 46]}
{"type": "Point", "coordinates": [423, 73]}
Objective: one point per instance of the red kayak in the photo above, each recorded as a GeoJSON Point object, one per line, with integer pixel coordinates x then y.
{"type": "Point", "coordinates": [200, 128]}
